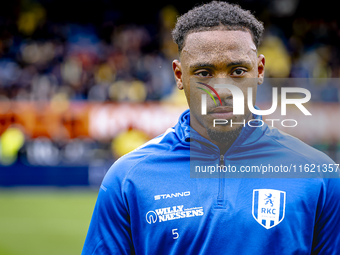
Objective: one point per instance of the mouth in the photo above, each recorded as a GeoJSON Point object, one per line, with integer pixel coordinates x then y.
{"type": "Point", "coordinates": [222, 112]}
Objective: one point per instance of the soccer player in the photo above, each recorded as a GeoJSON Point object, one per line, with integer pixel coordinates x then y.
{"type": "Point", "coordinates": [149, 204]}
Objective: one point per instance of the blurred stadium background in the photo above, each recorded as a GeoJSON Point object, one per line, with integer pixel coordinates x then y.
{"type": "Point", "coordinates": [83, 82]}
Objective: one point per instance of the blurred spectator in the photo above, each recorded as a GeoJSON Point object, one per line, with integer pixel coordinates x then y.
{"type": "Point", "coordinates": [10, 143]}
{"type": "Point", "coordinates": [128, 141]}
{"type": "Point", "coordinates": [278, 63]}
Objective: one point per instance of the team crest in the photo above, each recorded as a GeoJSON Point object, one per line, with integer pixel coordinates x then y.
{"type": "Point", "coordinates": [268, 207]}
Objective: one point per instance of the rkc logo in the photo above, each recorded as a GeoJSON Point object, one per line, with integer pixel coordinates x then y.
{"type": "Point", "coordinates": [268, 207]}
{"type": "Point", "coordinates": [238, 99]}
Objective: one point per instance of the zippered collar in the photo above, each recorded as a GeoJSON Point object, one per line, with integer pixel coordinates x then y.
{"type": "Point", "coordinates": [191, 137]}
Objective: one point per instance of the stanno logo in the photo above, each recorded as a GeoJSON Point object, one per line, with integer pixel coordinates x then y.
{"type": "Point", "coordinates": [173, 213]}
{"type": "Point", "coordinates": [268, 207]}
{"type": "Point", "coordinates": [178, 194]}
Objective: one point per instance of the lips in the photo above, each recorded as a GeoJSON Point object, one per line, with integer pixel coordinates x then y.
{"type": "Point", "coordinates": [222, 112]}
{"type": "Point", "coordinates": [222, 109]}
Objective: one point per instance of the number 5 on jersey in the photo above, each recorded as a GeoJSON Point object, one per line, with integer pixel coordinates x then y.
{"type": "Point", "coordinates": [175, 233]}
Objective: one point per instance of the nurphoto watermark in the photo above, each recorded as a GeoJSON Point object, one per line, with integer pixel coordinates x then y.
{"type": "Point", "coordinates": [228, 110]}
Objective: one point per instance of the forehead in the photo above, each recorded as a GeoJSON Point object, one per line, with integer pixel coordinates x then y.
{"type": "Point", "coordinates": [224, 45]}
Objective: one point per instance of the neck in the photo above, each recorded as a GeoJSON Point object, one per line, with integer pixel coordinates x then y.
{"type": "Point", "coordinates": [223, 140]}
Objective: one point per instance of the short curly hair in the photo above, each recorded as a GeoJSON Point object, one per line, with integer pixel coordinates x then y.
{"type": "Point", "coordinates": [216, 16]}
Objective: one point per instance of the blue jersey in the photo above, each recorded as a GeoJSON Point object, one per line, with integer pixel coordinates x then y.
{"type": "Point", "coordinates": [149, 204]}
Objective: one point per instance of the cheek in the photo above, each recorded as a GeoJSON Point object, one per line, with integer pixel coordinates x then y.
{"type": "Point", "coordinates": [186, 86]}
{"type": "Point", "coordinates": [254, 95]}
{"type": "Point", "coordinates": [193, 97]}
{"type": "Point", "coordinates": [246, 96]}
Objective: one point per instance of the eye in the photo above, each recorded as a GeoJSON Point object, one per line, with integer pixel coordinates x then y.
{"type": "Point", "coordinates": [238, 72]}
{"type": "Point", "coordinates": [203, 74]}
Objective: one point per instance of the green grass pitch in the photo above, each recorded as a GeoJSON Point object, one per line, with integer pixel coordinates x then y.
{"type": "Point", "coordinates": [44, 221]}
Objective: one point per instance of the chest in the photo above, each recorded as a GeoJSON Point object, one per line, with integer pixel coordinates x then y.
{"type": "Point", "coordinates": [206, 210]}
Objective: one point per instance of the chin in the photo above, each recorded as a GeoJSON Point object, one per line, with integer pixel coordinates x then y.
{"type": "Point", "coordinates": [224, 128]}
{"type": "Point", "coordinates": [224, 135]}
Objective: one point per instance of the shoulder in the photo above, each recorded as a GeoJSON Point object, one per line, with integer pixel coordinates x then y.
{"type": "Point", "coordinates": [126, 164]}
{"type": "Point", "coordinates": [292, 146]}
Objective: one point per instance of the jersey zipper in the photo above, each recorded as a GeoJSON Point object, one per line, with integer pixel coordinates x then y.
{"type": "Point", "coordinates": [221, 184]}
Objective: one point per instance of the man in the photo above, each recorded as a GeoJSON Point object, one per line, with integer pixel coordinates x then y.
{"type": "Point", "coordinates": [148, 204]}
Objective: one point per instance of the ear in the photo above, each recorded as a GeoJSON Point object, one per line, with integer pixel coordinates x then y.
{"type": "Point", "coordinates": [261, 61]}
{"type": "Point", "coordinates": [177, 68]}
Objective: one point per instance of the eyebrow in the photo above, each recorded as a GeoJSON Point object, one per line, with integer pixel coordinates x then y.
{"type": "Point", "coordinates": [207, 64]}
{"type": "Point", "coordinates": [239, 63]}
{"type": "Point", "coordinates": [202, 64]}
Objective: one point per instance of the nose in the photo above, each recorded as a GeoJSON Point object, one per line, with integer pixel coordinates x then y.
{"type": "Point", "coordinates": [225, 94]}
